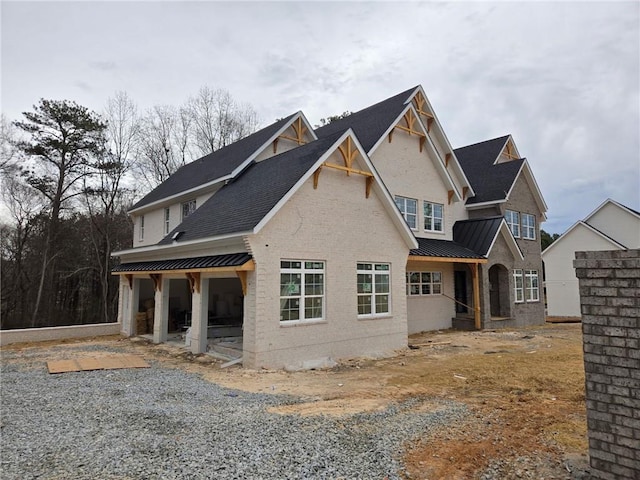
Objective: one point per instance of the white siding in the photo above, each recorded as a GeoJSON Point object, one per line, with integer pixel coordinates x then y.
{"type": "Point", "coordinates": [617, 223]}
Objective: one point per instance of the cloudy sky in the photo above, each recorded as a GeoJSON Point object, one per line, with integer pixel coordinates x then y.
{"type": "Point", "coordinates": [562, 78]}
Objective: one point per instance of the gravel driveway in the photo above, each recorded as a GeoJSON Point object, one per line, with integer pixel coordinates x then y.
{"type": "Point", "coordinates": [162, 423]}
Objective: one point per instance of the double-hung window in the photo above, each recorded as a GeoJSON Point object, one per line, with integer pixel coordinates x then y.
{"type": "Point", "coordinates": [188, 208]}
{"type": "Point", "coordinates": [141, 233]}
{"type": "Point", "coordinates": [301, 290]}
{"type": "Point", "coordinates": [374, 289]}
{"type": "Point", "coordinates": [513, 220]}
{"type": "Point", "coordinates": [167, 214]}
{"type": "Point", "coordinates": [518, 286]}
{"type": "Point", "coordinates": [532, 292]}
{"type": "Point", "coordinates": [528, 226]}
{"type": "Point", "coordinates": [433, 217]}
{"type": "Point", "coordinates": [424, 283]}
{"type": "Point", "coordinates": [409, 209]}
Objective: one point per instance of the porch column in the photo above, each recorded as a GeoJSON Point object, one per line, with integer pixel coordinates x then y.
{"type": "Point", "coordinates": [199, 315]}
{"type": "Point", "coordinates": [124, 317]}
{"type": "Point", "coordinates": [133, 296]}
{"type": "Point", "coordinates": [476, 296]}
{"type": "Point", "coordinates": [161, 312]}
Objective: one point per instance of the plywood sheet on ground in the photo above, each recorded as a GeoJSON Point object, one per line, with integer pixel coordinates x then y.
{"type": "Point", "coordinates": [109, 362]}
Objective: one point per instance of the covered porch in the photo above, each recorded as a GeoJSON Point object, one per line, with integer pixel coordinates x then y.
{"type": "Point", "coordinates": [196, 302]}
{"type": "Point", "coordinates": [455, 274]}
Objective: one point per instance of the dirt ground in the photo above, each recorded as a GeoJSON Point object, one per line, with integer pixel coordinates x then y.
{"type": "Point", "coordinates": [524, 389]}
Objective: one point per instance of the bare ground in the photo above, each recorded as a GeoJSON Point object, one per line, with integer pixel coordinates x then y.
{"type": "Point", "coordinates": [524, 388]}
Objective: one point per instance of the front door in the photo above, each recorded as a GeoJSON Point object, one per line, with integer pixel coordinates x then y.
{"type": "Point", "coordinates": [460, 291]}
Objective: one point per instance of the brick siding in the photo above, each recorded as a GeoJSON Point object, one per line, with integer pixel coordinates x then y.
{"type": "Point", "coordinates": [610, 302]}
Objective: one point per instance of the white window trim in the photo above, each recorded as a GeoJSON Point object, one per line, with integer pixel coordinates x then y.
{"type": "Point", "coordinates": [403, 211]}
{"type": "Point", "coordinates": [167, 218]}
{"type": "Point", "coordinates": [433, 218]}
{"type": "Point", "coordinates": [191, 211]}
{"type": "Point", "coordinates": [421, 283]}
{"type": "Point", "coordinates": [373, 292]}
{"type": "Point", "coordinates": [141, 230]}
{"type": "Point", "coordinates": [302, 297]}
{"type": "Point", "coordinates": [511, 224]}
{"type": "Point", "coordinates": [531, 227]}
{"type": "Point", "coordinates": [518, 272]}
{"type": "Point", "coordinates": [529, 275]}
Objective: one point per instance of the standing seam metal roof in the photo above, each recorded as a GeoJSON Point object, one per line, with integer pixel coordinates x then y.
{"type": "Point", "coordinates": [228, 260]}
{"type": "Point", "coordinates": [428, 247]}
{"type": "Point", "coordinates": [477, 234]}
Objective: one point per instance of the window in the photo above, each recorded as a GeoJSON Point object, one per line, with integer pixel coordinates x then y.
{"type": "Point", "coordinates": [424, 283]}
{"type": "Point", "coordinates": [518, 286]}
{"type": "Point", "coordinates": [433, 217]}
{"type": "Point", "coordinates": [373, 288]}
{"type": "Point", "coordinates": [513, 220]}
{"type": "Point", "coordinates": [141, 236]}
{"type": "Point", "coordinates": [301, 290]}
{"type": "Point", "coordinates": [528, 226]}
{"type": "Point", "coordinates": [167, 214]}
{"type": "Point", "coordinates": [188, 208]}
{"type": "Point", "coordinates": [409, 209]}
{"type": "Point", "coordinates": [531, 286]}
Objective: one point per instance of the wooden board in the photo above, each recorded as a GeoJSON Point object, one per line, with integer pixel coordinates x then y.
{"type": "Point", "coordinates": [96, 363]}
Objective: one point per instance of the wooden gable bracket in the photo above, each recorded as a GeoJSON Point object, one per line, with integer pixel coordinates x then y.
{"type": "Point", "coordinates": [419, 104]}
{"type": "Point", "coordinates": [242, 275]}
{"type": "Point", "coordinates": [157, 281]}
{"type": "Point", "coordinates": [299, 129]}
{"type": "Point", "coordinates": [410, 120]}
{"type": "Point", "coordinates": [348, 170]}
{"type": "Point", "coordinates": [194, 281]}
{"type": "Point", "coordinates": [348, 152]}
{"type": "Point", "coordinates": [129, 278]}
{"type": "Point", "coordinates": [508, 152]}
{"type": "Point", "coordinates": [465, 190]}
{"type": "Point", "coordinates": [450, 195]}
{"type": "Point", "coordinates": [316, 176]}
{"type": "Point", "coordinates": [368, 185]}
{"type": "Point", "coordinates": [447, 159]}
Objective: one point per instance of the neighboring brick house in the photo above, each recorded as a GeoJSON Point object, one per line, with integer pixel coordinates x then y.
{"type": "Point", "coordinates": [338, 242]}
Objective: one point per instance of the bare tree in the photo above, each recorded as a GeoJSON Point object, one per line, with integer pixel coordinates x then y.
{"type": "Point", "coordinates": [218, 119]}
{"type": "Point", "coordinates": [8, 145]}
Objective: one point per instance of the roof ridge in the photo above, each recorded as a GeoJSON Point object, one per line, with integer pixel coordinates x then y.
{"type": "Point", "coordinates": [505, 137]}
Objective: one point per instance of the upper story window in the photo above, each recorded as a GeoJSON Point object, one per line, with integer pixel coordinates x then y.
{"type": "Point", "coordinates": [528, 226]}
{"type": "Point", "coordinates": [141, 231]}
{"type": "Point", "coordinates": [167, 216]}
{"type": "Point", "coordinates": [188, 208]}
{"type": "Point", "coordinates": [433, 217]}
{"type": "Point", "coordinates": [409, 209]}
{"type": "Point", "coordinates": [513, 220]}
{"type": "Point", "coordinates": [374, 289]}
{"type": "Point", "coordinates": [301, 290]}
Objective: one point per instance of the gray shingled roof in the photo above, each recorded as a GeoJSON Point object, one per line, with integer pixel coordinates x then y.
{"type": "Point", "coordinates": [228, 260]}
{"type": "Point", "coordinates": [490, 182]}
{"type": "Point", "coordinates": [428, 247]}
{"type": "Point", "coordinates": [371, 123]}
{"type": "Point", "coordinates": [213, 166]}
{"type": "Point", "coordinates": [477, 234]}
{"type": "Point", "coordinates": [241, 204]}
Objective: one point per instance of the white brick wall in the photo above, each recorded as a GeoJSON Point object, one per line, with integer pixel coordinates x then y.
{"type": "Point", "coordinates": [338, 225]}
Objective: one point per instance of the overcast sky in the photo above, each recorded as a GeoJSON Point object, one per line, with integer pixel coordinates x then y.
{"type": "Point", "coordinates": [562, 78]}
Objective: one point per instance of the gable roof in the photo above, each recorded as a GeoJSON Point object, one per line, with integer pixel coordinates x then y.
{"type": "Point", "coordinates": [246, 203]}
{"type": "Point", "coordinates": [217, 166]}
{"type": "Point", "coordinates": [370, 123]}
{"type": "Point", "coordinates": [241, 204]}
{"type": "Point", "coordinates": [491, 182]}
{"type": "Point", "coordinates": [582, 223]}
{"type": "Point", "coordinates": [480, 235]}
{"type": "Point", "coordinates": [612, 202]}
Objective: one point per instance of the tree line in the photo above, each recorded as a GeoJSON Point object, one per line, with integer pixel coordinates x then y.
{"type": "Point", "coordinates": [68, 175]}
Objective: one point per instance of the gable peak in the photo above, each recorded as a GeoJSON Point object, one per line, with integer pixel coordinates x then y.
{"type": "Point", "coordinates": [509, 151]}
